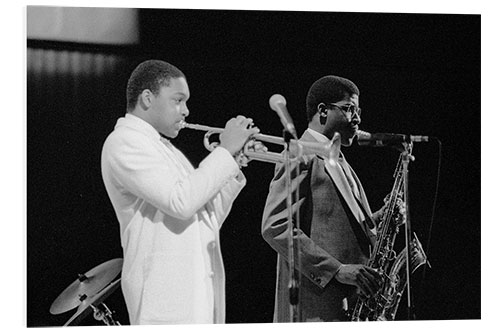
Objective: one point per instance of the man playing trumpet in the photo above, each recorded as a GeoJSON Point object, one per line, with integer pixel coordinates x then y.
{"type": "Point", "coordinates": [169, 212]}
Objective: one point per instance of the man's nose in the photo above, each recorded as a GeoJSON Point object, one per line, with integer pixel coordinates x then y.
{"type": "Point", "coordinates": [356, 118]}
{"type": "Point", "coordinates": [185, 111]}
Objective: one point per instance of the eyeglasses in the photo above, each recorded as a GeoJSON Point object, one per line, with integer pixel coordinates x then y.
{"type": "Point", "coordinates": [349, 109]}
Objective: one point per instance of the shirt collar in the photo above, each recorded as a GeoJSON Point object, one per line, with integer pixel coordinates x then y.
{"type": "Point", "coordinates": [139, 124]}
{"type": "Point", "coordinates": [317, 135]}
{"type": "Point", "coordinates": [322, 138]}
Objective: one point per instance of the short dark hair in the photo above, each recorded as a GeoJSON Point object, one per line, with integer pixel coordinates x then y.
{"type": "Point", "coordinates": [152, 75]}
{"type": "Point", "coordinates": [328, 89]}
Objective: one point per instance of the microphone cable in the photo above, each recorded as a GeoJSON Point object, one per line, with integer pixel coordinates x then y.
{"type": "Point", "coordinates": [433, 212]}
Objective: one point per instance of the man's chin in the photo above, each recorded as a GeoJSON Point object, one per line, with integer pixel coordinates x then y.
{"type": "Point", "coordinates": [171, 134]}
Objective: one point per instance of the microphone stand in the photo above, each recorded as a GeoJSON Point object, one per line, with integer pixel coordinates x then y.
{"type": "Point", "coordinates": [294, 274]}
{"type": "Point", "coordinates": [406, 157]}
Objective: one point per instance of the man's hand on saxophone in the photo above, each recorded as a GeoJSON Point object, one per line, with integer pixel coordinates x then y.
{"type": "Point", "coordinates": [365, 278]}
{"type": "Point", "coordinates": [399, 210]}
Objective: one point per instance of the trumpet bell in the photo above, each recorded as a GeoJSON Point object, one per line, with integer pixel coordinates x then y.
{"type": "Point", "coordinates": [329, 150]}
{"type": "Point", "coordinates": [298, 148]}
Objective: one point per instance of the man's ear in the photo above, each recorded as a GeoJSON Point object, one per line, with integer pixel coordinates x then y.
{"type": "Point", "coordinates": [322, 109]}
{"type": "Point", "coordinates": [146, 99]}
{"type": "Point", "coordinates": [323, 113]}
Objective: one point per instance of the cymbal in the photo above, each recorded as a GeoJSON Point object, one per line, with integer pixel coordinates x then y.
{"type": "Point", "coordinates": [84, 309]}
{"type": "Point", "coordinates": [87, 285]}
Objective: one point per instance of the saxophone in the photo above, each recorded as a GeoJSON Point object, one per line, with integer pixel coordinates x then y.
{"type": "Point", "coordinates": [384, 304]}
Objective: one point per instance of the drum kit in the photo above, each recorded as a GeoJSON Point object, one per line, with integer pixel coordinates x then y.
{"type": "Point", "coordinates": [88, 293]}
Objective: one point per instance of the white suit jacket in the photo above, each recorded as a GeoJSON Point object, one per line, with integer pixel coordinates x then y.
{"type": "Point", "coordinates": [170, 215]}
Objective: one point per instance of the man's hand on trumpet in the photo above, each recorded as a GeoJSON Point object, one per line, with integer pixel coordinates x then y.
{"type": "Point", "coordinates": [251, 146]}
{"type": "Point", "coordinates": [237, 133]}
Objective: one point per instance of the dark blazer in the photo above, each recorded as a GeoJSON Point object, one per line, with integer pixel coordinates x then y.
{"type": "Point", "coordinates": [329, 236]}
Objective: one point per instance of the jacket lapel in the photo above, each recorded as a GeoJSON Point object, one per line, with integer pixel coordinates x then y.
{"type": "Point", "coordinates": [363, 199]}
{"type": "Point", "coordinates": [335, 172]}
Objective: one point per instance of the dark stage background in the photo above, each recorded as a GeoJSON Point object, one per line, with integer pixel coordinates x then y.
{"type": "Point", "coordinates": [418, 74]}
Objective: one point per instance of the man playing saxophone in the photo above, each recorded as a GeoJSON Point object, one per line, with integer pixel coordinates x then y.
{"type": "Point", "coordinates": [337, 227]}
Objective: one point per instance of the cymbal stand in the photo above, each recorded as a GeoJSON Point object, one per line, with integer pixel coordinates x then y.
{"type": "Point", "coordinates": [105, 315]}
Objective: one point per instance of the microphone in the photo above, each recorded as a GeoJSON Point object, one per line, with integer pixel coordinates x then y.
{"type": "Point", "coordinates": [387, 139]}
{"type": "Point", "coordinates": [278, 104]}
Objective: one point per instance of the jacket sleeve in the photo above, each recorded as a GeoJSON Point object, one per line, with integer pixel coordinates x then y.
{"type": "Point", "coordinates": [223, 201]}
{"type": "Point", "coordinates": [138, 167]}
{"type": "Point", "coordinates": [316, 264]}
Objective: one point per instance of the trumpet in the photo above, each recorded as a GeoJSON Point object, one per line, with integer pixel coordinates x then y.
{"type": "Point", "coordinates": [297, 148]}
